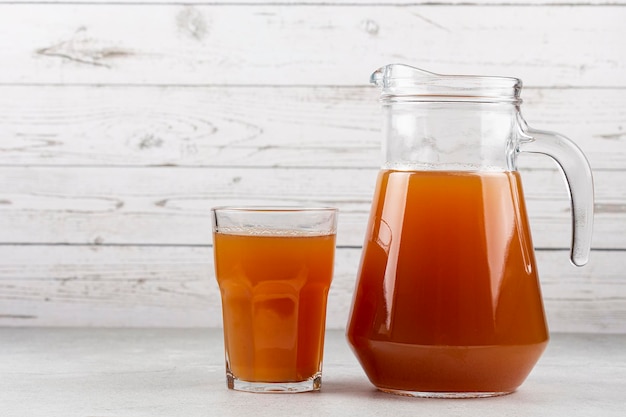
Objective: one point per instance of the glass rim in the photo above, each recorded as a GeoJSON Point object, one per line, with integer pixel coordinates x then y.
{"type": "Point", "coordinates": [275, 220]}
{"type": "Point", "coordinates": [273, 209]}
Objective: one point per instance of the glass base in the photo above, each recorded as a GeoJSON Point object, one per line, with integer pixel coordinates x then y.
{"type": "Point", "coordinates": [312, 384]}
{"type": "Point", "coordinates": [445, 394]}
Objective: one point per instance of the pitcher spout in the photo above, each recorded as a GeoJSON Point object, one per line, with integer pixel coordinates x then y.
{"type": "Point", "coordinates": [393, 72]}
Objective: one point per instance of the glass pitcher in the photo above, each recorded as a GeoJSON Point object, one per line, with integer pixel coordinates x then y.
{"type": "Point", "coordinates": [447, 302]}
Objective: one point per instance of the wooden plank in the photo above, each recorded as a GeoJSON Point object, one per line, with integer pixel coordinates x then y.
{"type": "Point", "coordinates": [379, 3]}
{"type": "Point", "coordinates": [173, 126]}
{"type": "Point", "coordinates": [309, 45]}
{"type": "Point", "coordinates": [171, 205]}
{"type": "Point", "coordinates": [133, 286]}
{"type": "Point", "coordinates": [161, 205]}
{"type": "Point", "coordinates": [255, 126]}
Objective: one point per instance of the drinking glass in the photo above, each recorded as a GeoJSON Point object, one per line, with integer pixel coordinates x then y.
{"type": "Point", "coordinates": [274, 267]}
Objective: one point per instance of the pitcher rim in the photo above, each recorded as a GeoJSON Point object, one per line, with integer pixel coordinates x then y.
{"type": "Point", "coordinates": [401, 82]}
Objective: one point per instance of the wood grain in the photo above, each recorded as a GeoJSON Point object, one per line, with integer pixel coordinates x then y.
{"type": "Point", "coordinates": [122, 123]}
{"type": "Point", "coordinates": [175, 286]}
{"type": "Point", "coordinates": [171, 205]}
{"type": "Point", "coordinates": [256, 126]}
{"type": "Point", "coordinates": [307, 45]}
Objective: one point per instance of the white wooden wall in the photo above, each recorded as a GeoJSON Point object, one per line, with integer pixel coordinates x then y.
{"type": "Point", "coordinates": [122, 123]}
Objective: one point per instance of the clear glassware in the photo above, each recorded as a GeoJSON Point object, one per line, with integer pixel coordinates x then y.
{"type": "Point", "coordinates": [274, 267]}
{"type": "Point", "coordinates": [448, 302]}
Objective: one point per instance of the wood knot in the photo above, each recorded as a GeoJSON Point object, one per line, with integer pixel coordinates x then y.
{"type": "Point", "coordinates": [370, 26]}
{"type": "Point", "coordinates": [84, 49]}
{"type": "Point", "coordinates": [192, 22]}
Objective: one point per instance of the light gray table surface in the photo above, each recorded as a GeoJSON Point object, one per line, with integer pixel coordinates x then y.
{"type": "Point", "coordinates": [180, 372]}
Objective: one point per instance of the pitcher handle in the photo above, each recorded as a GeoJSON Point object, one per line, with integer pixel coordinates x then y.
{"type": "Point", "coordinates": [579, 179]}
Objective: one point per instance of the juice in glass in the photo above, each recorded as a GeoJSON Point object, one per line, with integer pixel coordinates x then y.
{"type": "Point", "coordinates": [274, 286]}
{"type": "Point", "coordinates": [448, 299]}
